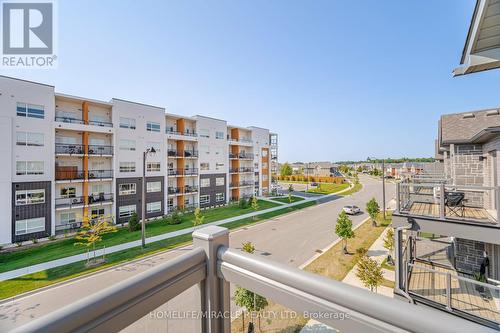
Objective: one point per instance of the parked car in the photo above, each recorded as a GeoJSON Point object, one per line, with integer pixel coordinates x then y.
{"type": "Point", "coordinates": [314, 184]}
{"type": "Point", "coordinates": [351, 209]}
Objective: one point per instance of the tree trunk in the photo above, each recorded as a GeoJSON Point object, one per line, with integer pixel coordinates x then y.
{"type": "Point", "coordinates": [243, 320]}
{"type": "Point", "coordinates": [345, 247]}
{"type": "Point", "coordinates": [374, 223]}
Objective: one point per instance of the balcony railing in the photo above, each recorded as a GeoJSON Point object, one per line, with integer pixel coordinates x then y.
{"type": "Point", "coordinates": [66, 173]}
{"type": "Point", "coordinates": [183, 172]}
{"type": "Point", "coordinates": [240, 170]}
{"type": "Point", "coordinates": [241, 156]}
{"type": "Point", "coordinates": [477, 204]}
{"type": "Point", "coordinates": [182, 190]}
{"type": "Point", "coordinates": [190, 153]}
{"type": "Point", "coordinates": [212, 266]}
{"type": "Point", "coordinates": [100, 174]}
{"type": "Point", "coordinates": [80, 200]}
{"type": "Point", "coordinates": [79, 149]}
{"type": "Point", "coordinates": [242, 140]}
{"type": "Point", "coordinates": [100, 198]}
{"type": "Point", "coordinates": [82, 122]}
{"type": "Point", "coordinates": [171, 131]}
{"type": "Point", "coordinates": [241, 184]}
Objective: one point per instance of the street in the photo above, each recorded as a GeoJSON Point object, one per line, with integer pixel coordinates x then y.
{"type": "Point", "coordinates": [291, 239]}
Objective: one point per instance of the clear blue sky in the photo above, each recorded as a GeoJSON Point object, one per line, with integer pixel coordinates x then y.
{"type": "Point", "coordinates": [336, 79]}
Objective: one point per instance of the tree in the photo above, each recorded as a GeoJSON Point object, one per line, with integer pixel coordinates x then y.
{"type": "Point", "coordinates": [133, 223]}
{"type": "Point", "coordinates": [373, 210]}
{"type": "Point", "coordinates": [343, 229]}
{"type": "Point", "coordinates": [360, 169]}
{"type": "Point", "coordinates": [369, 272]}
{"type": "Point", "coordinates": [255, 205]}
{"type": "Point", "coordinates": [290, 190]}
{"type": "Point", "coordinates": [247, 299]}
{"type": "Point", "coordinates": [198, 218]}
{"type": "Point", "coordinates": [389, 244]}
{"type": "Point", "coordinates": [286, 170]}
{"type": "Point", "coordinates": [92, 231]}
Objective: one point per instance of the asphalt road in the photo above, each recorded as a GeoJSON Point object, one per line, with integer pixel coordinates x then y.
{"type": "Point", "coordinates": [291, 239]}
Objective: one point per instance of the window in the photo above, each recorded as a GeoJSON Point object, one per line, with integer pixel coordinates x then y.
{"type": "Point", "coordinates": [30, 225]}
{"type": "Point", "coordinates": [29, 139]}
{"type": "Point", "coordinates": [204, 199]}
{"type": "Point", "coordinates": [126, 211]}
{"type": "Point", "coordinates": [204, 166]}
{"type": "Point", "coordinates": [29, 168]}
{"type": "Point", "coordinates": [127, 123]}
{"type": "Point", "coordinates": [204, 133]}
{"type": "Point", "coordinates": [152, 126]}
{"type": "Point", "coordinates": [153, 187]}
{"type": "Point", "coordinates": [68, 218]}
{"type": "Point", "coordinates": [67, 192]}
{"type": "Point", "coordinates": [219, 135]}
{"type": "Point", "coordinates": [219, 197]}
{"type": "Point", "coordinates": [30, 110]}
{"type": "Point", "coordinates": [219, 181]}
{"type": "Point", "coordinates": [205, 182]}
{"type": "Point", "coordinates": [155, 145]}
{"type": "Point", "coordinates": [153, 166]}
{"type": "Point", "coordinates": [127, 166]}
{"type": "Point", "coordinates": [153, 207]}
{"type": "Point", "coordinates": [97, 212]}
{"type": "Point", "coordinates": [127, 189]}
{"type": "Point", "coordinates": [29, 197]}
{"type": "Point", "coordinates": [219, 166]}
{"type": "Point", "coordinates": [127, 144]}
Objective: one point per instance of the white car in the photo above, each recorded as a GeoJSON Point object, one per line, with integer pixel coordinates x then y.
{"type": "Point", "coordinates": [351, 210]}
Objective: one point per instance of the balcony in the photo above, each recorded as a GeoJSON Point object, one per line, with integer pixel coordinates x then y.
{"type": "Point", "coordinates": [100, 198]}
{"type": "Point", "coordinates": [79, 149]}
{"type": "Point", "coordinates": [178, 135]}
{"type": "Point", "coordinates": [82, 122]}
{"type": "Point", "coordinates": [241, 170]}
{"type": "Point", "coordinates": [77, 202]}
{"type": "Point", "coordinates": [241, 156]}
{"type": "Point", "coordinates": [71, 173]}
{"type": "Point", "coordinates": [182, 172]}
{"type": "Point", "coordinates": [241, 184]}
{"type": "Point", "coordinates": [240, 142]}
{"type": "Point", "coordinates": [182, 190]}
{"type": "Point", "coordinates": [212, 266]}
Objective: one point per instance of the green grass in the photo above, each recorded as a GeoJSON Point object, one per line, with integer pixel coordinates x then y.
{"type": "Point", "coordinates": [356, 188]}
{"type": "Point", "coordinates": [285, 199]}
{"type": "Point", "coordinates": [323, 188]}
{"type": "Point", "coordinates": [65, 247]}
{"type": "Point", "coordinates": [48, 277]}
{"type": "Point", "coordinates": [387, 266]}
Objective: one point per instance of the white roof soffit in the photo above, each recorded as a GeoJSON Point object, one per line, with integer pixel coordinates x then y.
{"type": "Point", "coordinates": [482, 46]}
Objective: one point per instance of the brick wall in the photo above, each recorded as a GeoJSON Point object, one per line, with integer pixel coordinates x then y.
{"type": "Point", "coordinates": [466, 168]}
{"type": "Point", "coordinates": [468, 255]}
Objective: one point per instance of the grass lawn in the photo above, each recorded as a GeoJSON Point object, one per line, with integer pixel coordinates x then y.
{"type": "Point", "coordinates": [356, 188]}
{"type": "Point", "coordinates": [33, 281]}
{"type": "Point", "coordinates": [65, 247]}
{"type": "Point", "coordinates": [387, 266]}
{"type": "Point", "coordinates": [323, 188]}
{"type": "Point", "coordinates": [284, 199]}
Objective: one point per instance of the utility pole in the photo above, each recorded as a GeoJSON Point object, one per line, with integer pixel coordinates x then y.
{"type": "Point", "coordinates": [383, 187]}
{"type": "Point", "coordinates": [143, 202]}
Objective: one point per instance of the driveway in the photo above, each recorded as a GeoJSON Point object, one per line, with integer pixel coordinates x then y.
{"type": "Point", "coordinates": [291, 239]}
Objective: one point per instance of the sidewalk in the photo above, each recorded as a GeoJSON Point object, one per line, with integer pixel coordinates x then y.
{"type": "Point", "coordinates": [83, 256]}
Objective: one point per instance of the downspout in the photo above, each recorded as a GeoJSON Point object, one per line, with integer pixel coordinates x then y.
{"type": "Point", "coordinates": [398, 261]}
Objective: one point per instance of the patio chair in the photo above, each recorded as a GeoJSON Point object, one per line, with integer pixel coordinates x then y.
{"type": "Point", "coordinates": [455, 202]}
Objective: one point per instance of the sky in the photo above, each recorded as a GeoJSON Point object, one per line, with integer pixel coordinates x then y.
{"type": "Point", "coordinates": [337, 80]}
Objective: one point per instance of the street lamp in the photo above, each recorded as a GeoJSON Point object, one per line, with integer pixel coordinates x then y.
{"type": "Point", "coordinates": [143, 223]}
{"type": "Point", "coordinates": [383, 185]}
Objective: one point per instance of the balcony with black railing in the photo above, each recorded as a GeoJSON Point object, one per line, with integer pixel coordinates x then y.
{"type": "Point", "coordinates": [74, 120]}
{"type": "Point", "coordinates": [241, 170]}
{"type": "Point", "coordinates": [182, 172]}
{"type": "Point", "coordinates": [70, 202]}
{"type": "Point", "coordinates": [185, 133]}
{"type": "Point", "coordinates": [79, 149]}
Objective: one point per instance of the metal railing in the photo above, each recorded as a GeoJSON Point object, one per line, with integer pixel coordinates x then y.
{"type": "Point", "coordinates": [182, 190]}
{"type": "Point", "coordinates": [100, 174]}
{"type": "Point", "coordinates": [449, 202]}
{"type": "Point", "coordinates": [100, 198]}
{"type": "Point", "coordinates": [212, 266]}
{"type": "Point", "coordinates": [183, 172]}
{"type": "Point", "coordinates": [70, 202]}
{"type": "Point", "coordinates": [171, 131]}
{"type": "Point", "coordinates": [82, 122]}
{"type": "Point", "coordinates": [241, 184]}
{"type": "Point", "coordinates": [100, 150]}
{"type": "Point", "coordinates": [79, 149]}
{"type": "Point", "coordinates": [240, 170]}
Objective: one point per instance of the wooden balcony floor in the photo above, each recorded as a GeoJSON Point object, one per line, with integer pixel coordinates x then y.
{"type": "Point", "coordinates": [431, 209]}
{"type": "Point", "coordinates": [465, 297]}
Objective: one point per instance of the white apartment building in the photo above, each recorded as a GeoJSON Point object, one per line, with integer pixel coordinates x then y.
{"type": "Point", "coordinates": [72, 158]}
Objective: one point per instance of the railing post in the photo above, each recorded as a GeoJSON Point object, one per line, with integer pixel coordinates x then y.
{"type": "Point", "coordinates": [497, 202]}
{"type": "Point", "coordinates": [214, 291]}
{"type": "Point", "coordinates": [398, 198]}
{"type": "Point", "coordinates": [448, 291]}
{"type": "Point", "coordinates": [442, 208]}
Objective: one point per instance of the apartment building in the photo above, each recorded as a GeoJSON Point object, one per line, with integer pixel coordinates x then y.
{"type": "Point", "coordinates": [447, 226]}
{"type": "Point", "coordinates": [73, 158]}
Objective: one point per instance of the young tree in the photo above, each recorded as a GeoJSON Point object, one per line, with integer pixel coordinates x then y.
{"type": "Point", "coordinates": [92, 231]}
{"type": "Point", "coordinates": [286, 170]}
{"type": "Point", "coordinates": [255, 205]}
{"type": "Point", "coordinates": [290, 190]}
{"type": "Point", "coordinates": [198, 218]}
{"type": "Point", "coordinates": [133, 223]}
{"type": "Point", "coordinates": [373, 210]}
{"type": "Point", "coordinates": [343, 229]}
{"type": "Point", "coordinates": [248, 300]}
{"type": "Point", "coordinates": [370, 273]}
{"type": "Point", "coordinates": [389, 244]}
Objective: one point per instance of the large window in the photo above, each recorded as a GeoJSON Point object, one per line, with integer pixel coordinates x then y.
{"type": "Point", "coordinates": [152, 126]}
{"type": "Point", "coordinates": [219, 181]}
{"type": "Point", "coordinates": [127, 166]}
{"type": "Point", "coordinates": [219, 197]}
{"type": "Point", "coordinates": [153, 187]}
{"type": "Point", "coordinates": [127, 189]}
{"type": "Point", "coordinates": [204, 166]}
{"type": "Point", "coordinates": [205, 182]}
{"type": "Point", "coordinates": [29, 139]}
{"type": "Point", "coordinates": [153, 207]}
{"type": "Point", "coordinates": [67, 192]}
{"type": "Point", "coordinates": [127, 144]}
{"type": "Point", "coordinates": [204, 199]}
{"type": "Point", "coordinates": [29, 226]}
{"type": "Point", "coordinates": [30, 197]}
{"type": "Point", "coordinates": [153, 166]}
{"type": "Point", "coordinates": [126, 211]}
{"type": "Point", "coordinates": [127, 122]}
{"type": "Point", "coordinates": [30, 110]}
{"type": "Point", "coordinates": [68, 218]}
{"type": "Point", "coordinates": [203, 133]}
{"type": "Point", "coordinates": [219, 135]}
{"type": "Point", "coordinates": [29, 168]}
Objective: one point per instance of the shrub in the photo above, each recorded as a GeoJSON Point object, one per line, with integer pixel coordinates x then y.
{"type": "Point", "coordinates": [52, 237]}
{"type": "Point", "coordinates": [19, 244]}
{"type": "Point", "coordinates": [133, 223]}
{"type": "Point", "coordinates": [34, 240]}
{"type": "Point", "coordinates": [243, 203]}
{"type": "Point", "coordinates": [361, 251]}
{"type": "Point", "coordinates": [175, 218]}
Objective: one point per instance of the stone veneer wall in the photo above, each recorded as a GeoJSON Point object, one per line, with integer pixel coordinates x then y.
{"type": "Point", "coordinates": [468, 255]}
{"type": "Point", "coordinates": [466, 168]}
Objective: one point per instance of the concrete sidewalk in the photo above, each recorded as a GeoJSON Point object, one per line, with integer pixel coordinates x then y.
{"type": "Point", "coordinates": [80, 257]}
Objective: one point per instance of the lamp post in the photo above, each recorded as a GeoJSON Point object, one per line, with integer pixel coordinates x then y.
{"type": "Point", "coordinates": [143, 203]}
{"type": "Point", "coordinates": [383, 185]}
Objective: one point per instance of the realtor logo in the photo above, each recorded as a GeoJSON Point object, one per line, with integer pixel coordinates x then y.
{"type": "Point", "coordinates": [28, 34]}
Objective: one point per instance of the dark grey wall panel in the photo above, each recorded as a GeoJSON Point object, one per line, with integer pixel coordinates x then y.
{"type": "Point", "coordinates": [32, 211]}
{"type": "Point", "coordinates": [212, 190]}
{"type": "Point", "coordinates": [135, 199]}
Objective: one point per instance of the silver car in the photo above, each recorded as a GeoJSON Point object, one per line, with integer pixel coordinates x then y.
{"type": "Point", "coordinates": [351, 209]}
